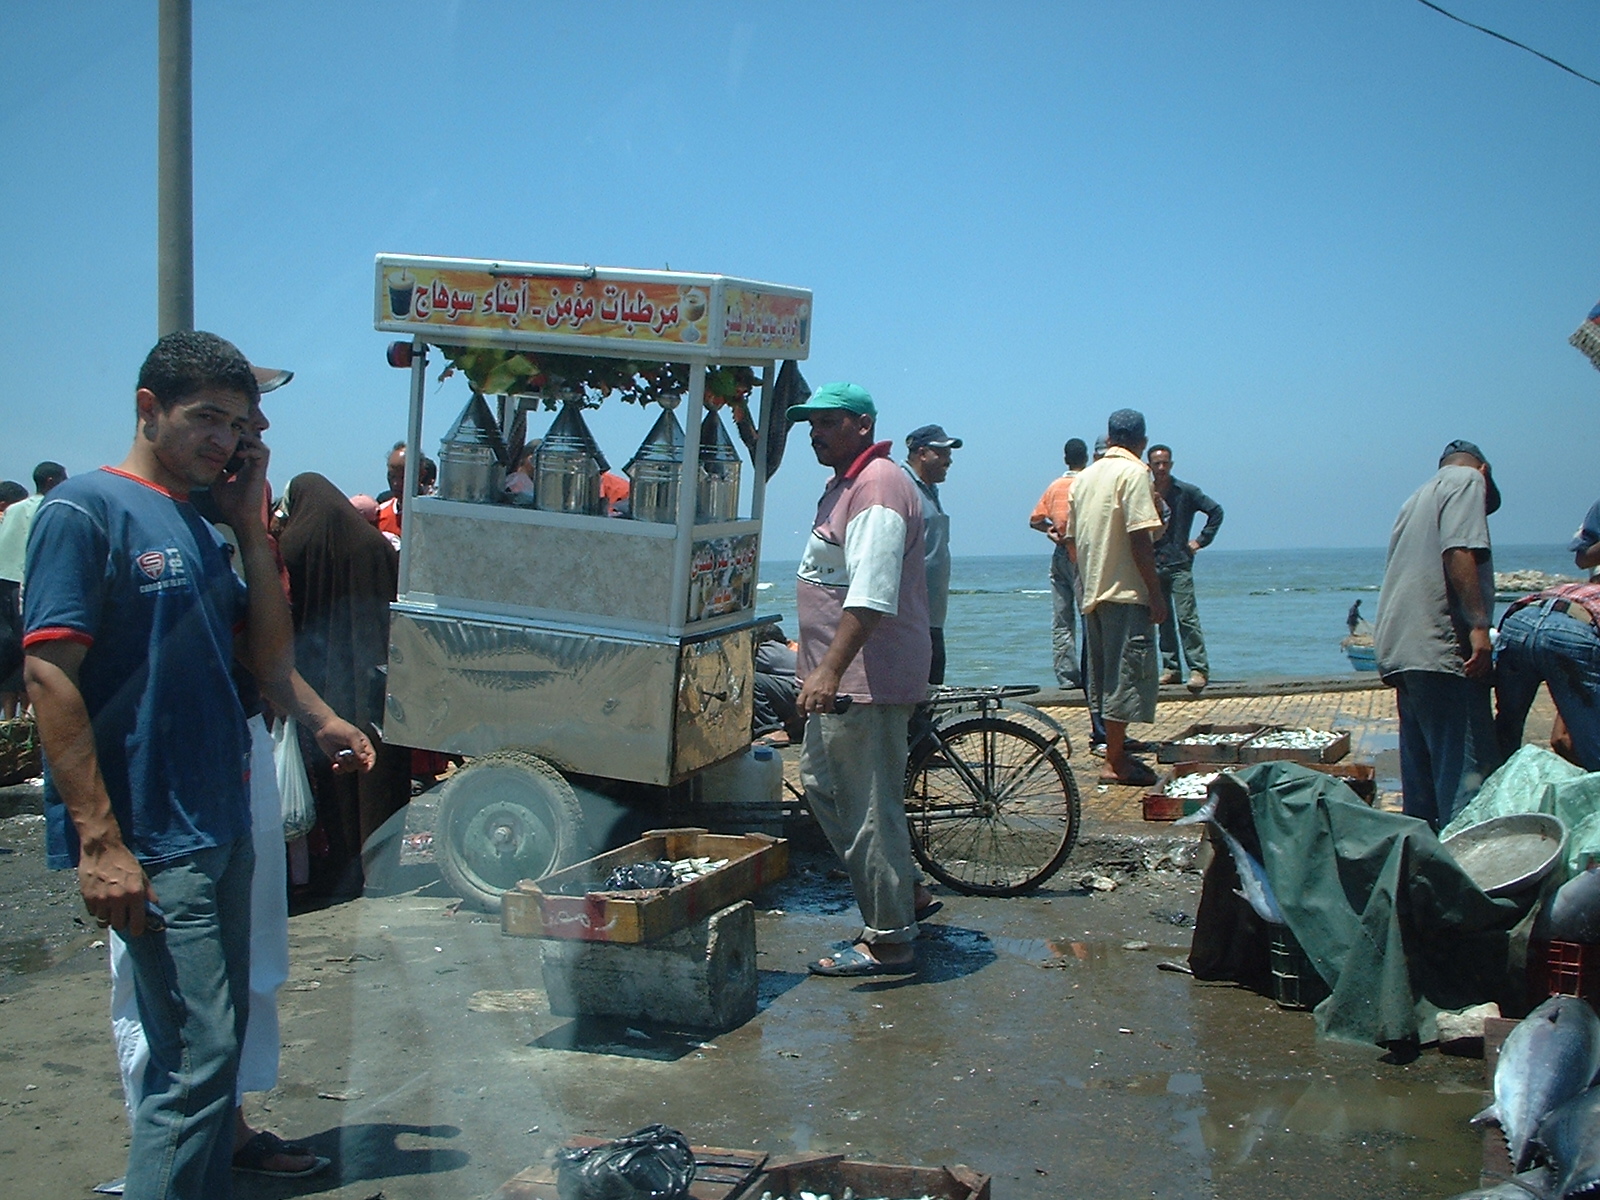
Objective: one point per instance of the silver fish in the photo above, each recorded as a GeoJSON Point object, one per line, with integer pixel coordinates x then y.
{"type": "Point", "coordinates": [1573, 914]}
{"type": "Point", "coordinates": [1571, 1136]}
{"type": "Point", "coordinates": [1536, 1183]}
{"type": "Point", "coordinates": [1550, 1057]}
{"type": "Point", "coordinates": [1254, 887]}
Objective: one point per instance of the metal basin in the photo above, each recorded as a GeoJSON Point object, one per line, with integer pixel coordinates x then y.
{"type": "Point", "coordinates": [1504, 855]}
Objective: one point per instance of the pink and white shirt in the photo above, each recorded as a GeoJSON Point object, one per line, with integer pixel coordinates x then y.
{"type": "Point", "coordinates": [865, 551]}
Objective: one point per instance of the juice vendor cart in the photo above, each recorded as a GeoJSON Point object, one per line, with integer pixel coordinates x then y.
{"type": "Point", "coordinates": [546, 643]}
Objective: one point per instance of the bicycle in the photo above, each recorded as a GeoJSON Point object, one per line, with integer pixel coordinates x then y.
{"type": "Point", "coordinates": [992, 805]}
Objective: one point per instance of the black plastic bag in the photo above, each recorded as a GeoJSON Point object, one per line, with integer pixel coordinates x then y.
{"type": "Point", "coordinates": [653, 1163]}
{"type": "Point", "coordinates": [640, 875]}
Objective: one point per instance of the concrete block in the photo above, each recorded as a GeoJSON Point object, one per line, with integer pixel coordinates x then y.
{"type": "Point", "coordinates": [702, 977]}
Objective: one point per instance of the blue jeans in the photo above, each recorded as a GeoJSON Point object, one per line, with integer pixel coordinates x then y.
{"type": "Point", "coordinates": [1447, 742]}
{"type": "Point", "coordinates": [1539, 645]}
{"type": "Point", "coordinates": [193, 988]}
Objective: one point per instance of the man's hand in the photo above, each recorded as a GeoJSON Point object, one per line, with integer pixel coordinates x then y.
{"type": "Point", "coordinates": [1481, 662]}
{"type": "Point", "coordinates": [1194, 547]}
{"type": "Point", "coordinates": [238, 498]}
{"type": "Point", "coordinates": [819, 692]}
{"type": "Point", "coordinates": [114, 887]}
{"type": "Point", "coordinates": [346, 746]}
{"type": "Point", "coordinates": [1158, 608]}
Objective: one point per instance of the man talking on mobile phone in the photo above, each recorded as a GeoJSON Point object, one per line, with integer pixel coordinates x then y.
{"type": "Point", "coordinates": [132, 619]}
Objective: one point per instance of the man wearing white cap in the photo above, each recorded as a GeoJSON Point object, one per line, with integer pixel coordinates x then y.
{"type": "Point", "coordinates": [928, 463]}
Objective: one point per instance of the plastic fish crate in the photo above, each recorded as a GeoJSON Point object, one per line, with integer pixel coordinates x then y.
{"type": "Point", "coordinates": [1295, 982]}
{"type": "Point", "coordinates": [1158, 806]}
{"type": "Point", "coordinates": [1564, 969]}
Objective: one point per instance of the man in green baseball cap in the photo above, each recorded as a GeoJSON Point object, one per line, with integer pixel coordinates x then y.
{"type": "Point", "coordinates": [851, 397]}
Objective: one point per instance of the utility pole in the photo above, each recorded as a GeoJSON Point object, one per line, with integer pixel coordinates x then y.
{"type": "Point", "coordinates": [174, 172]}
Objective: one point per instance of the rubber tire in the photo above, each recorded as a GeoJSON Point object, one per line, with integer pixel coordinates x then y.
{"type": "Point", "coordinates": [518, 798]}
{"type": "Point", "coordinates": [1055, 824]}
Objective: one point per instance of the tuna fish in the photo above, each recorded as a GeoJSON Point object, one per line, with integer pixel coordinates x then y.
{"type": "Point", "coordinates": [1550, 1057]}
{"type": "Point", "coordinates": [1254, 887]}
{"type": "Point", "coordinates": [1573, 914]}
{"type": "Point", "coordinates": [1571, 1137]}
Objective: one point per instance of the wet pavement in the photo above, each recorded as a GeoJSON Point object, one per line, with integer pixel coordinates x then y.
{"type": "Point", "coordinates": [1040, 1042]}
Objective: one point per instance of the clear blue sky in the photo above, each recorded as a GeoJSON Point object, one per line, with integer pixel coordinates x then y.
{"type": "Point", "coordinates": [1312, 242]}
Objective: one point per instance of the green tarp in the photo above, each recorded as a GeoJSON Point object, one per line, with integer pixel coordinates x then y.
{"type": "Point", "coordinates": [1389, 920]}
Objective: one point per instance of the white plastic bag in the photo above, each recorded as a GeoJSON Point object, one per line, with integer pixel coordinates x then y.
{"type": "Point", "coordinates": [299, 808]}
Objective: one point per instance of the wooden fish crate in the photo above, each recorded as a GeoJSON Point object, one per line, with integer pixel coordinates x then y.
{"type": "Point", "coordinates": [832, 1173]}
{"type": "Point", "coordinates": [1158, 806]}
{"type": "Point", "coordinates": [1177, 751]}
{"type": "Point", "coordinates": [718, 1174]}
{"type": "Point", "coordinates": [1332, 752]}
{"type": "Point", "coordinates": [537, 908]}
{"type": "Point", "coordinates": [1360, 778]}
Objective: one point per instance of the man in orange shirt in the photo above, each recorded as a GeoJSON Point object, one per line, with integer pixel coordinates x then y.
{"type": "Point", "coordinates": [1050, 518]}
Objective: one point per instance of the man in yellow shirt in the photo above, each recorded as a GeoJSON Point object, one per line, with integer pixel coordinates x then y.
{"type": "Point", "coordinates": [1112, 528]}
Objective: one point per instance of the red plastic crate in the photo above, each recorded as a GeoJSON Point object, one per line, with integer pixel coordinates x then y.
{"type": "Point", "coordinates": [1564, 969]}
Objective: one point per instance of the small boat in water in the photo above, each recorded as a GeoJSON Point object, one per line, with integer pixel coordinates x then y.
{"type": "Point", "coordinates": [1357, 646]}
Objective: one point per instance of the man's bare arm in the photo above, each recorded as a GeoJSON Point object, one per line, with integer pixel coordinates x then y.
{"type": "Point", "coordinates": [332, 732]}
{"type": "Point", "coordinates": [1142, 543]}
{"type": "Point", "coordinates": [113, 884]}
{"type": "Point", "coordinates": [1461, 572]}
{"type": "Point", "coordinates": [821, 686]}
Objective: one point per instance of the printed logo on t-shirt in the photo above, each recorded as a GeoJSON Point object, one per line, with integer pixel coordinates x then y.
{"type": "Point", "coordinates": [164, 569]}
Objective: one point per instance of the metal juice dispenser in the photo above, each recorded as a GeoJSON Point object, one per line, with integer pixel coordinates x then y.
{"type": "Point", "coordinates": [471, 466]}
{"type": "Point", "coordinates": [654, 471]}
{"type": "Point", "coordinates": [717, 498]}
{"type": "Point", "coordinates": [569, 464]}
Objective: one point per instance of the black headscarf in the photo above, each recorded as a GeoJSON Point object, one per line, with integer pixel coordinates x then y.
{"type": "Point", "coordinates": [342, 576]}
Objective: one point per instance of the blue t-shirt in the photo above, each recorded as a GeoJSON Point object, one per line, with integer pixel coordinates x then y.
{"type": "Point", "coordinates": [138, 576]}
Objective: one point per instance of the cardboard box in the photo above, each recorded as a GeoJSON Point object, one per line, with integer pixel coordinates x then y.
{"type": "Point", "coordinates": [1330, 753]}
{"type": "Point", "coordinates": [537, 908]}
{"type": "Point", "coordinates": [1158, 806]}
{"type": "Point", "coordinates": [832, 1173]}
{"type": "Point", "coordinates": [1177, 751]}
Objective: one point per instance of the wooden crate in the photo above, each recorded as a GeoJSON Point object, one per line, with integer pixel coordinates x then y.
{"type": "Point", "coordinates": [1359, 777]}
{"type": "Point", "coordinates": [20, 759]}
{"type": "Point", "coordinates": [718, 1174]}
{"type": "Point", "coordinates": [1331, 753]}
{"type": "Point", "coordinates": [536, 908]}
{"type": "Point", "coordinates": [832, 1173]}
{"type": "Point", "coordinates": [1174, 751]}
{"type": "Point", "coordinates": [1158, 806]}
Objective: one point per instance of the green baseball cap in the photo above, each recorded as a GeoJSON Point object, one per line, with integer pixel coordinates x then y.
{"type": "Point", "coordinates": [851, 397]}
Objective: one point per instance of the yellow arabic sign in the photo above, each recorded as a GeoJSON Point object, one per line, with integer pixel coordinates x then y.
{"type": "Point", "coordinates": [754, 320]}
{"type": "Point", "coordinates": [427, 298]}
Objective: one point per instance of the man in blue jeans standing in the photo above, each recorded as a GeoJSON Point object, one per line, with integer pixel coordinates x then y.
{"type": "Point", "coordinates": [1432, 635]}
{"type": "Point", "coordinates": [132, 619]}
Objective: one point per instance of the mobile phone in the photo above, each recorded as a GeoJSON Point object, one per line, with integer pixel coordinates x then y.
{"type": "Point", "coordinates": [235, 465]}
{"type": "Point", "coordinates": [155, 921]}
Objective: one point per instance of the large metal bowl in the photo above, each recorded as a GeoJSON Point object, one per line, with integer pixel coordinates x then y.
{"type": "Point", "coordinates": [1509, 854]}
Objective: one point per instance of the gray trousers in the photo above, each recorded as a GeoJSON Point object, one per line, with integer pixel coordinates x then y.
{"type": "Point", "coordinates": [853, 767]}
{"type": "Point", "coordinates": [1182, 623]}
{"type": "Point", "coordinates": [1064, 619]}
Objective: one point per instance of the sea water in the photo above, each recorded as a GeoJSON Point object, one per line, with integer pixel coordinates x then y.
{"type": "Point", "coordinates": [1265, 613]}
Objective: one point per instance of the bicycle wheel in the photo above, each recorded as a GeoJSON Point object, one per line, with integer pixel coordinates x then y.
{"type": "Point", "coordinates": [992, 805]}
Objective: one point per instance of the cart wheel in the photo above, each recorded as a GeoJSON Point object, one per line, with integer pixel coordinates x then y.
{"type": "Point", "coordinates": [505, 817]}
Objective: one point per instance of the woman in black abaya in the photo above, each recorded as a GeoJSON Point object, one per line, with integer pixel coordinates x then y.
{"type": "Point", "coordinates": [342, 576]}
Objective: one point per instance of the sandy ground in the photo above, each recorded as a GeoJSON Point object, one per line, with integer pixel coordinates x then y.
{"type": "Point", "coordinates": [1039, 1043]}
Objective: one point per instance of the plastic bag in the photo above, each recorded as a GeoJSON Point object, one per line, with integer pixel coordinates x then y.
{"type": "Point", "coordinates": [653, 1163]}
{"type": "Point", "coordinates": [299, 807]}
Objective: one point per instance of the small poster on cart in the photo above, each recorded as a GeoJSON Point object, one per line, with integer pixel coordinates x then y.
{"type": "Point", "coordinates": [722, 576]}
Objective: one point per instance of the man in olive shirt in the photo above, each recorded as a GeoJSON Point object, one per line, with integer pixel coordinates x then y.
{"type": "Point", "coordinates": [1432, 635]}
